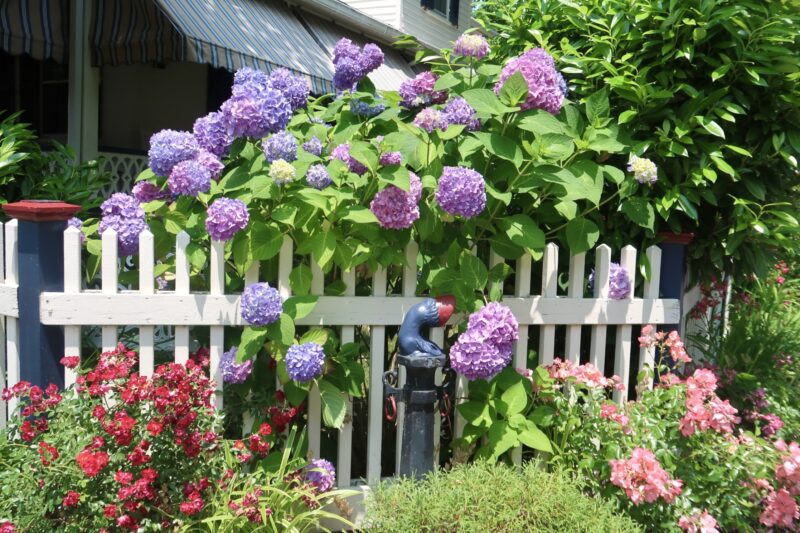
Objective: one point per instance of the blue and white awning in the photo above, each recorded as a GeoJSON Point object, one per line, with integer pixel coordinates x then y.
{"type": "Point", "coordinates": [39, 28]}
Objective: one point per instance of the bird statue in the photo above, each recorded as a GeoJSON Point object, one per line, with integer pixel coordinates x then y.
{"type": "Point", "coordinates": [430, 312]}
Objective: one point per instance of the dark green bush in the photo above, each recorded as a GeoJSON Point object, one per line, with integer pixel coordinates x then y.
{"type": "Point", "coordinates": [489, 498]}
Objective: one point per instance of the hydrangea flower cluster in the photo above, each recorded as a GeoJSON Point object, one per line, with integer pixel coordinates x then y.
{"type": "Point", "coordinates": [643, 478]}
{"type": "Point", "coordinates": [211, 162]}
{"type": "Point", "coordinates": [342, 153]}
{"type": "Point", "coordinates": [395, 208]}
{"type": "Point", "coordinates": [305, 362]}
{"type": "Point", "coordinates": [586, 374]}
{"type": "Point", "coordinates": [212, 134]}
{"type": "Point", "coordinates": [321, 474]}
{"type": "Point", "coordinates": [144, 192]}
{"type": "Point", "coordinates": [546, 86]}
{"type": "Point", "coordinates": [352, 63]}
{"type": "Point", "coordinates": [233, 372]}
{"type": "Point", "coordinates": [317, 176]}
{"type": "Point", "coordinates": [461, 192]}
{"type": "Point", "coordinates": [255, 112]}
{"type": "Point", "coordinates": [313, 146]}
{"type": "Point", "coordinates": [261, 304]}
{"type": "Point", "coordinates": [619, 282]}
{"type": "Point", "coordinates": [281, 145]}
{"type": "Point", "coordinates": [123, 214]}
{"type": "Point", "coordinates": [282, 171]}
{"type": "Point", "coordinates": [458, 111]}
{"type": "Point", "coordinates": [644, 170]}
{"type": "Point", "coordinates": [294, 88]}
{"type": "Point", "coordinates": [699, 522]}
{"type": "Point", "coordinates": [418, 91]}
{"type": "Point", "coordinates": [170, 147]}
{"type": "Point", "coordinates": [390, 158]}
{"type": "Point", "coordinates": [189, 178]}
{"type": "Point", "coordinates": [484, 349]}
{"type": "Point", "coordinates": [471, 45]}
{"type": "Point", "coordinates": [704, 409]}
{"type": "Point", "coordinates": [430, 119]}
{"type": "Point", "coordinates": [363, 109]}
{"type": "Point", "coordinates": [226, 216]}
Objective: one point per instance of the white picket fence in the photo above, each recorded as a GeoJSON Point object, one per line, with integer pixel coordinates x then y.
{"type": "Point", "coordinates": [147, 307]}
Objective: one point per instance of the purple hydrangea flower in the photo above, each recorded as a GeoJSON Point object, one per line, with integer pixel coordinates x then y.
{"type": "Point", "coordinates": [619, 283]}
{"type": "Point", "coordinates": [211, 132]}
{"type": "Point", "coordinates": [321, 474]}
{"type": "Point", "coordinates": [247, 79]}
{"type": "Point", "coordinates": [461, 191]}
{"type": "Point", "coordinates": [226, 217]}
{"type": "Point", "coordinates": [351, 63]}
{"type": "Point", "coordinates": [644, 170]}
{"type": "Point", "coordinates": [248, 116]}
{"type": "Point", "coordinates": [475, 357]}
{"type": "Point", "coordinates": [419, 91]}
{"type": "Point", "coordinates": [430, 119]}
{"type": "Point", "coordinates": [189, 178]}
{"type": "Point", "coordinates": [75, 222]}
{"type": "Point", "coordinates": [471, 45]}
{"type": "Point", "coordinates": [281, 171]}
{"type": "Point", "coordinates": [281, 145]}
{"type": "Point", "coordinates": [391, 158]}
{"type": "Point", "coordinates": [128, 230]}
{"type": "Point", "coordinates": [499, 324]}
{"type": "Point", "coordinates": [305, 362]}
{"type": "Point", "coordinates": [371, 57]}
{"type": "Point", "coordinates": [294, 88]}
{"type": "Point", "coordinates": [313, 146]}
{"type": "Point", "coordinates": [544, 81]}
{"type": "Point", "coordinates": [342, 153]}
{"type": "Point", "coordinates": [123, 205]}
{"type": "Point", "coordinates": [347, 74]}
{"type": "Point", "coordinates": [395, 208]}
{"type": "Point", "coordinates": [317, 176]}
{"type": "Point", "coordinates": [211, 162]}
{"type": "Point", "coordinates": [458, 111]}
{"type": "Point", "coordinates": [233, 372]}
{"type": "Point", "coordinates": [363, 109]}
{"type": "Point", "coordinates": [170, 147]}
{"type": "Point", "coordinates": [144, 192]}
{"type": "Point", "coordinates": [345, 49]}
{"type": "Point", "coordinates": [261, 304]}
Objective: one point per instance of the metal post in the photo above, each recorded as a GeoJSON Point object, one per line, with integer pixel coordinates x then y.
{"type": "Point", "coordinates": [41, 268]}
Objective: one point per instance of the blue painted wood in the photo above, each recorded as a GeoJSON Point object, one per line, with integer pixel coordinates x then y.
{"type": "Point", "coordinates": [673, 270]}
{"type": "Point", "coordinates": [41, 268]}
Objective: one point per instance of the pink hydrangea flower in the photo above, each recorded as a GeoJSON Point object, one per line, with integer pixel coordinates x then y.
{"type": "Point", "coordinates": [643, 479]}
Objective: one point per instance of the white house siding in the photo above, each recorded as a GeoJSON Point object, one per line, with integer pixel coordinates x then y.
{"type": "Point", "coordinates": [431, 28]}
{"type": "Point", "coordinates": [386, 11]}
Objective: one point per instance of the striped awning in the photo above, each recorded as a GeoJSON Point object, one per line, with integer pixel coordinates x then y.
{"type": "Point", "coordinates": [39, 28]}
{"type": "Point", "coordinates": [263, 34]}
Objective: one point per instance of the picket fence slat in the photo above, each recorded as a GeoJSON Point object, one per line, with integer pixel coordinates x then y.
{"type": "Point", "coordinates": [216, 344]}
{"type": "Point", "coordinates": [647, 355]}
{"type": "Point", "coordinates": [108, 281]}
{"type": "Point", "coordinates": [547, 335]}
{"type": "Point", "coordinates": [375, 401]}
{"type": "Point", "coordinates": [597, 349]}
{"type": "Point", "coordinates": [146, 286]}
{"type": "Point", "coordinates": [622, 353]}
{"type": "Point", "coordinates": [72, 285]}
{"type": "Point", "coordinates": [314, 399]}
{"type": "Point", "coordinates": [345, 451]}
{"type": "Point", "coordinates": [409, 289]}
{"type": "Point", "coordinates": [182, 279]}
{"type": "Point", "coordinates": [12, 365]}
{"type": "Point", "coordinates": [250, 277]}
{"type": "Point", "coordinates": [577, 265]}
{"type": "Point", "coordinates": [285, 257]}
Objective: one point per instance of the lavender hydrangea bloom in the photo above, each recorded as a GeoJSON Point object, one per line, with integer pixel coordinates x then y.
{"type": "Point", "coordinates": [475, 357]}
{"type": "Point", "coordinates": [371, 57]}
{"type": "Point", "coordinates": [317, 176]}
{"type": "Point", "coordinates": [294, 88]}
{"type": "Point", "coordinates": [619, 282]}
{"type": "Point", "coordinates": [211, 162]}
{"type": "Point", "coordinates": [471, 45]}
{"type": "Point", "coordinates": [345, 49]}
{"type": "Point", "coordinates": [189, 178]}
{"type": "Point", "coordinates": [347, 74]}
{"type": "Point", "coordinates": [342, 153]}
{"type": "Point", "coordinates": [248, 116]}
{"type": "Point", "coordinates": [247, 78]}
{"type": "Point", "coordinates": [305, 362]}
{"type": "Point", "coordinates": [544, 81]}
{"type": "Point", "coordinates": [281, 145]}
{"type": "Point", "coordinates": [170, 147]}
{"type": "Point", "coordinates": [644, 170]}
{"type": "Point", "coordinates": [144, 192]}
{"type": "Point", "coordinates": [211, 132]}
{"type": "Point", "coordinates": [391, 158]}
{"type": "Point", "coordinates": [128, 230]}
{"type": "Point", "coordinates": [261, 304]}
{"type": "Point", "coordinates": [430, 119]}
{"type": "Point", "coordinates": [363, 109]}
{"type": "Point", "coordinates": [395, 208]}
{"type": "Point", "coordinates": [461, 191]}
{"type": "Point", "coordinates": [75, 222]}
{"type": "Point", "coordinates": [123, 205]}
{"type": "Point", "coordinates": [281, 171]}
{"type": "Point", "coordinates": [458, 111]}
{"type": "Point", "coordinates": [498, 323]}
{"type": "Point", "coordinates": [313, 146]}
{"type": "Point", "coordinates": [226, 216]}
{"type": "Point", "coordinates": [233, 372]}
{"type": "Point", "coordinates": [351, 63]}
{"type": "Point", "coordinates": [321, 474]}
{"type": "Point", "coordinates": [419, 91]}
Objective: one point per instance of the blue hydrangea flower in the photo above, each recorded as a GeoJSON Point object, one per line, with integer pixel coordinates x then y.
{"type": "Point", "coordinates": [317, 176]}
{"type": "Point", "coordinates": [461, 191]}
{"type": "Point", "coordinates": [249, 116]}
{"type": "Point", "coordinates": [351, 63]}
{"type": "Point", "coordinates": [305, 362]}
{"type": "Point", "coordinates": [281, 145]}
{"type": "Point", "coordinates": [321, 474]}
{"type": "Point", "coordinates": [313, 146]}
{"type": "Point", "coordinates": [189, 178]}
{"type": "Point", "coordinates": [128, 230]}
{"type": "Point", "coordinates": [498, 323]}
{"type": "Point", "coordinates": [419, 91]}
{"type": "Point", "coordinates": [123, 205]}
{"type": "Point", "coordinates": [458, 111]}
{"type": "Point", "coordinates": [212, 133]}
{"type": "Point", "coordinates": [233, 372]}
{"type": "Point", "coordinates": [226, 217]}
{"type": "Point", "coordinates": [294, 88]}
{"type": "Point", "coordinates": [475, 357]}
{"type": "Point", "coordinates": [211, 162]}
{"type": "Point", "coordinates": [170, 147]}
{"type": "Point", "coordinates": [395, 208]}
{"type": "Point", "coordinates": [619, 282]}
{"type": "Point", "coordinates": [251, 77]}
{"type": "Point", "coordinates": [363, 109]}
{"type": "Point", "coordinates": [261, 304]}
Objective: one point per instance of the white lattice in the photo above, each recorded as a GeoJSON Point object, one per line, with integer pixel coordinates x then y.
{"type": "Point", "coordinates": [124, 169]}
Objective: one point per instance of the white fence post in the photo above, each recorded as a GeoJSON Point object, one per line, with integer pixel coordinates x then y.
{"type": "Point", "coordinates": [547, 333]}
{"type": "Point", "coordinates": [314, 399]}
{"type": "Point", "coordinates": [72, 285]}
{"type": "Point", "coordinates": [182, 276]}
{"type": "Point", "coordinates": [572, 350]}
{"type": "Point", "coordinates": [146, 286]}
{"type": "Point", "coordinates": [345, 452]}
{"type": "Point", "coordinates": [109, 282]}
{"type": "Point", "coordinates": [602, 266]}
{"type": "Point", "coordinates": [216, 343]}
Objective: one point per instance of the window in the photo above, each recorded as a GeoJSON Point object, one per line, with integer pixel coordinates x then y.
{"type": "Point", "coordinates": [440, 7]}
{"type": "Point", "coordinates": [446, 8]}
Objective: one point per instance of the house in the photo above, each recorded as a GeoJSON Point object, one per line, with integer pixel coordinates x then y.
{"type": "Point", "coordinates": [104, 75]}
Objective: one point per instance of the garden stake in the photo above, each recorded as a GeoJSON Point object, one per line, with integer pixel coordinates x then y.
{"type": "Point", "coordinates": [421, 358]}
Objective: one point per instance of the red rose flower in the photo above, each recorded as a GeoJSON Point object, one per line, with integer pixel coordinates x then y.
{"type": "Point", "coordinates": [71, 499]}
{"type": "Point", "coordinates": [110, 511]}
{"type": "Point", "coordinates": [70, 361]}
{"type": "Point", "coordinates": [92, 462]}
{"type": "Point", "coordinates": [47, 453]}
{"type": "Point", "coordinates": [155, 427]}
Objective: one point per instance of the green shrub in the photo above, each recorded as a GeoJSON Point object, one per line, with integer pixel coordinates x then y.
{"type": "Point", "coordinates": [490, 497]}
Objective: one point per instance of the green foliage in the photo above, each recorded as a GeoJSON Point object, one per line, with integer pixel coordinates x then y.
{"type": "Point", "coordinates": [489, 497]}
{"type": "Point", "coordinates": [708, 89]}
